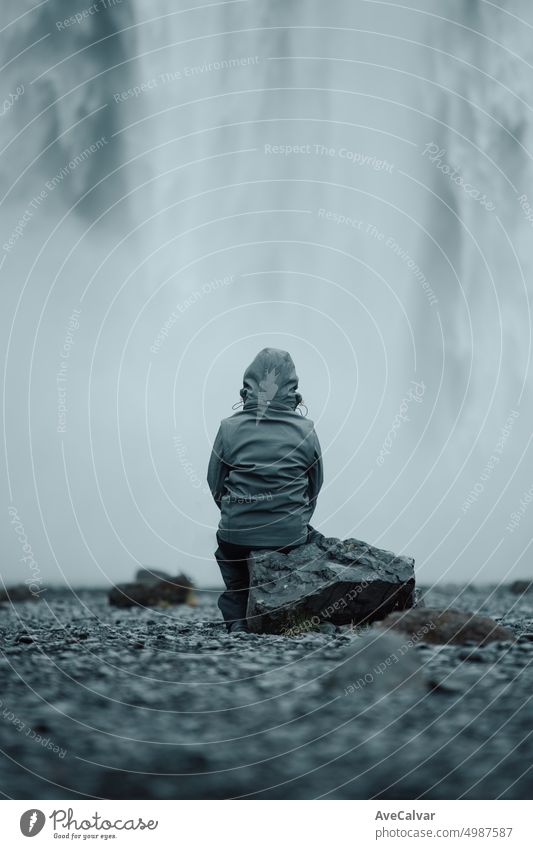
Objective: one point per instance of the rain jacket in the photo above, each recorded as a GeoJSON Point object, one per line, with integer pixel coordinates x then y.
{"type": "Point", "coordinates": [265, 470]}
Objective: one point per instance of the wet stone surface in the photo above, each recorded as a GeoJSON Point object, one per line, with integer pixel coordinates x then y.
{"type": "Point", "coordinates": [161, 703]}
{"type": "Point", "coordinates": [342, 580]}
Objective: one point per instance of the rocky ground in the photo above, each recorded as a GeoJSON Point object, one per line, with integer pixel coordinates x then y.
{"type": "Point", "coordinates": [161, 703]}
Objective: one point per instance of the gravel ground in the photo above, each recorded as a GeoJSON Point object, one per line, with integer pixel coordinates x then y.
{"type": "Point", "coordinates": [158, 704]}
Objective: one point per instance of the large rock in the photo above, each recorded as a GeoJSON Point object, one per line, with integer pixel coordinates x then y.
{"type": "Point", "coordinates": [427, 625]}
{"type": "Point", "coordinates": [332, 580]}
{"type": "Point", "coordinates": [178, 590]}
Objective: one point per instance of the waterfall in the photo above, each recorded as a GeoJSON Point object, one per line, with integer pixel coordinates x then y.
{"type": "Point", "coordinates": [268, 177]}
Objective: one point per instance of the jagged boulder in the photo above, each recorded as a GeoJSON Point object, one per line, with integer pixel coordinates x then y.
{"type": "Point", "coordinates": [156, 593]}
{"type": "Point", "coordinates": [428, 625]}
{"type": "Point", "coordinates": [332, 580]}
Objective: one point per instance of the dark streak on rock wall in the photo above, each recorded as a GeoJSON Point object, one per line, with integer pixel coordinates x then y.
{"type": "Point", "coordinates": [67, 77]}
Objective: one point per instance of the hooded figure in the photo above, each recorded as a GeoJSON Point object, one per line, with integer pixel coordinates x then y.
{"type": "Point", "coordinates": [265, 474]}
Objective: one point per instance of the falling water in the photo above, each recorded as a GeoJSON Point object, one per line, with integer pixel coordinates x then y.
{"type": "Point", "coordinates": [266, 180]}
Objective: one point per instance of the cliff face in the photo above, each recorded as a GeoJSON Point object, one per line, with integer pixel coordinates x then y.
{"type": "Point", "coordinates": [63, 61]}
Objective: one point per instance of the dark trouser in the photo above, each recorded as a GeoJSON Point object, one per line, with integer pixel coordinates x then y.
{"type": "Point", "coordinates": [233, 563]}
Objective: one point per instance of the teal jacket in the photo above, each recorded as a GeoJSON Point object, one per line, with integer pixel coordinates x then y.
{"type": "Point", "coordinates": [265, 470]}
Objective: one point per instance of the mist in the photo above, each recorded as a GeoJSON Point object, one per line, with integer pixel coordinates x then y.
{"type": "Point", "coordinates": [184, 184]}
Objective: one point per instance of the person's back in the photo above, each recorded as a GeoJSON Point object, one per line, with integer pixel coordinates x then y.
{"type": "Point", "coordinates": [265, 470]}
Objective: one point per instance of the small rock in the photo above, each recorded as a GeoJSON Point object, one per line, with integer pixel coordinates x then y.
{"type": "Point", "coordinates": [455, 627]}
{"type": "Point", "coordinates": [472, 656]}
{"type": "Point", "coordinates": [526, 638]}
{"type": "Point", "coordinates": [520, 587]}
{"type": "Point", "coordinates": [177, 590]}
{"type": "Point", "coordinates": [26, 638]}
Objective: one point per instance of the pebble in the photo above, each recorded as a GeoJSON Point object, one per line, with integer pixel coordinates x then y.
{"type": "Point", "coordinates": [169, 692]}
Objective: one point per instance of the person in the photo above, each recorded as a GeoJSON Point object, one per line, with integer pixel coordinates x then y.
{"type": "Point", "coordinates": [265, 473]}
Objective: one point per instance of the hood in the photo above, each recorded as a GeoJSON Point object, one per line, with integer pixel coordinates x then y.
{"type": "Point", "coordinates": [270, 382]}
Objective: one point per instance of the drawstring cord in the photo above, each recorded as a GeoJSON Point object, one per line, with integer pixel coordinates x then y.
{"type": "Point", "coordinates": [299, 406]}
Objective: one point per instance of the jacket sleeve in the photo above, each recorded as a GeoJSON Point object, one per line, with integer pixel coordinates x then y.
{"type": "Point", "coordinates": [217, 470]}
{"type": "Point", "coordinates": [315, 473]}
